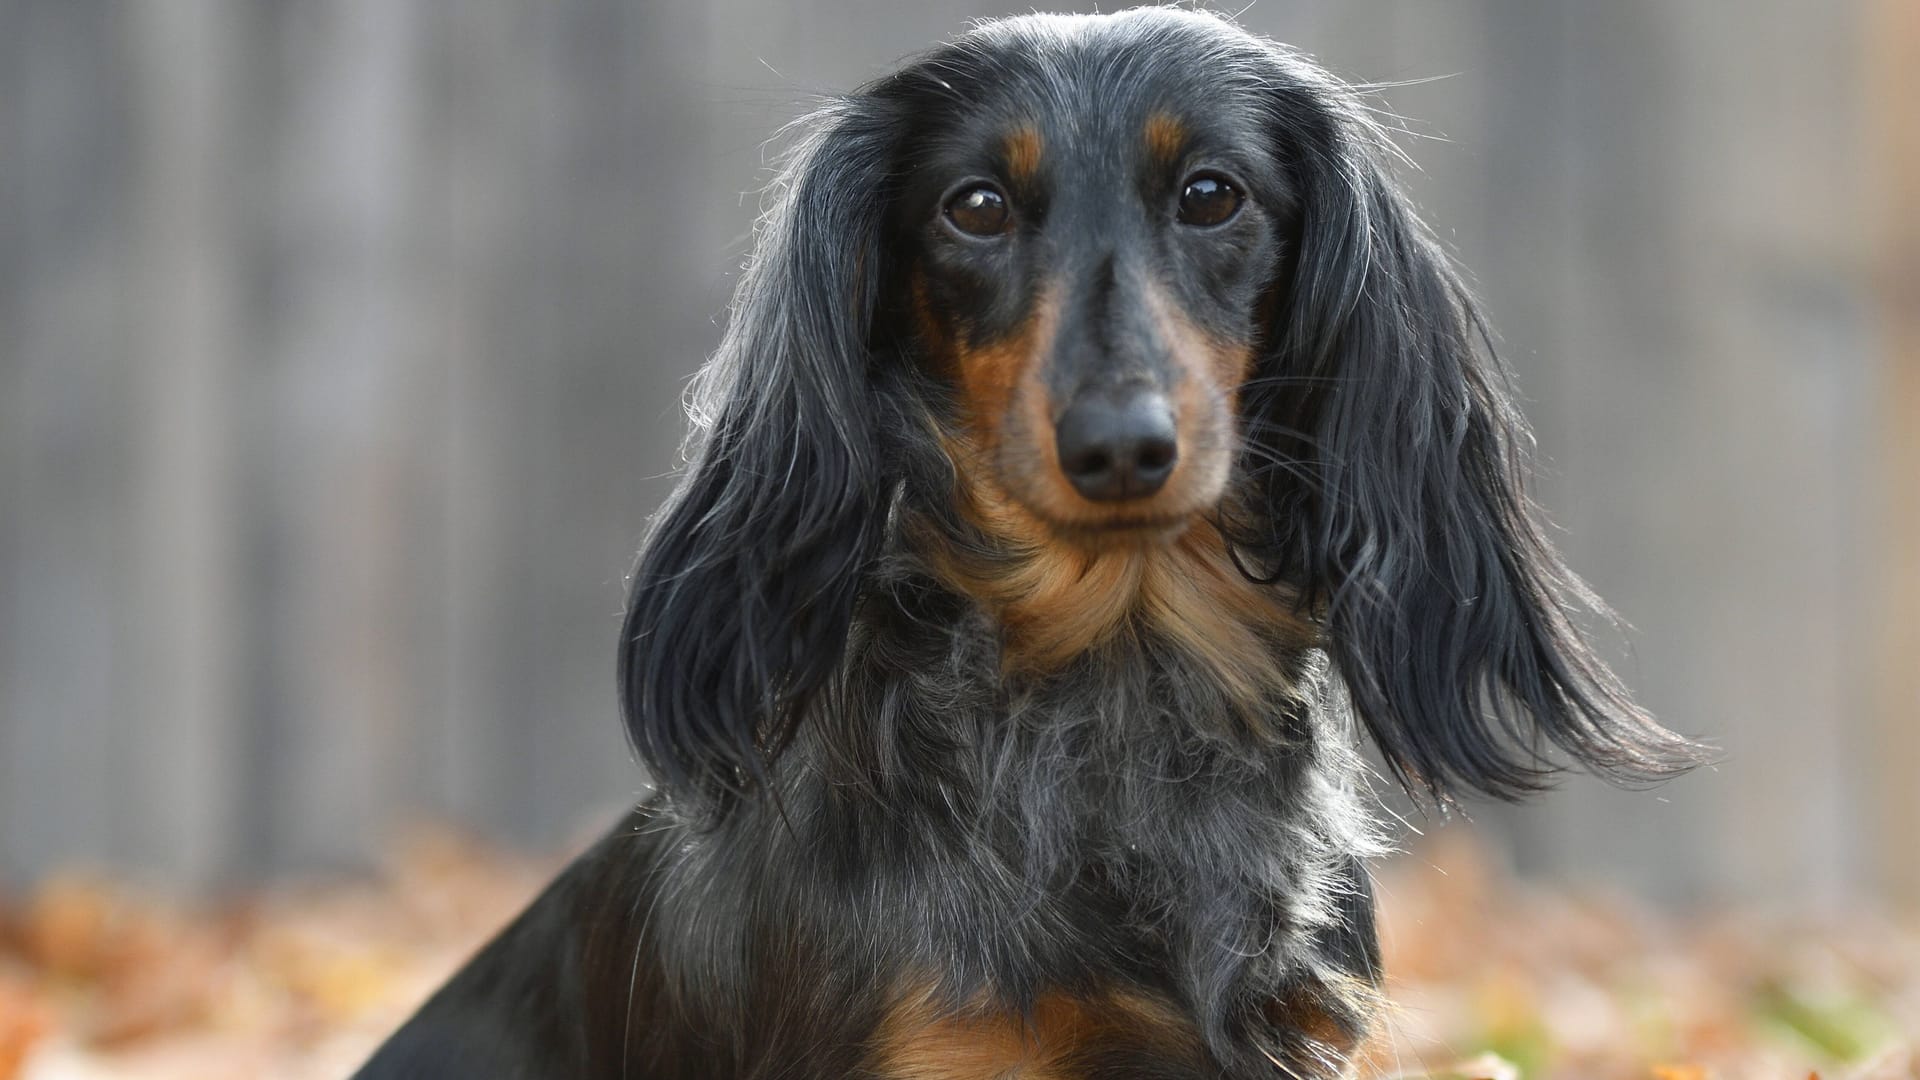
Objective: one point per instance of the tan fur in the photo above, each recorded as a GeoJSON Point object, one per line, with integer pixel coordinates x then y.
{"type": "Point", "coordinates": [1023, 147]}
{"type": "Point", "coordinates": [1330, 1045]}
{"type": "Point", "coordinates": [1057, 600]}
{"type": "Point", "coordinates": [1009, 414]}
{"type": "Point", "coordinates": [920, 1040]}
{"type": "Point", "coordinates": [1166, 571]}
{"type": "Point", "coordinates": [1166, 138]}
{"type": "Point", "coordinates": [1001, 386]}
{"type": "Point", "coordinates": [1059, 597]}
{"type": "Point", "coordinates": [1206, 394]}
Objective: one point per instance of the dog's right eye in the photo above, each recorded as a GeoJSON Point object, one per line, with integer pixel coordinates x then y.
{"type": "Point", "coordinates": [979, 210]}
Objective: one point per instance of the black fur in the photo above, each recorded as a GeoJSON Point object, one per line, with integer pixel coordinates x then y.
{"type": "Point", "coordinates": [858, 801]}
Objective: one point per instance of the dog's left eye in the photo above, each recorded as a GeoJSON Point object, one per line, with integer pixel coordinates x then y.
{"type": "Point", "coordinates": [1208, 199]}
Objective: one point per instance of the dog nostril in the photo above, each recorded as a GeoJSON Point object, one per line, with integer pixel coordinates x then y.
{"type": "Point", "coordinates": [1117, 449]}
{"type": "Point", "coordinates": [1092, 462]}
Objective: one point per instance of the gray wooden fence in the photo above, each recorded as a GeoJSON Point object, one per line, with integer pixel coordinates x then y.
{"type": "Point", "coordinates": [341, 346]}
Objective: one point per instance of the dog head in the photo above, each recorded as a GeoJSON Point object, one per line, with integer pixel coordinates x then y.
{"type": "Point", "coordinates": [1132, 275]}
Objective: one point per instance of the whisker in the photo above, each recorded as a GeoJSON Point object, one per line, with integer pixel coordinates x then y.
{"type": "Point", "coordinates": [1263, 426]}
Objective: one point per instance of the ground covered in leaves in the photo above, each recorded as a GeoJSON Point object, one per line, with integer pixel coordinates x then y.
{"type": "Point", "coordinates": [1490, 979]}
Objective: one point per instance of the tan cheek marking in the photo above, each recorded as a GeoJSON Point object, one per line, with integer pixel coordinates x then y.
{"type": "Point", "coordinates": [1022, 149]}
{"type": "Point", "coordinates": [991, 377]}
{"type": "Point", "coordinates": [935, 336]}
{"type": "Point", "coordinates": [1165, 137]}
{"type": "Point", "coordinates": [1216, 363]}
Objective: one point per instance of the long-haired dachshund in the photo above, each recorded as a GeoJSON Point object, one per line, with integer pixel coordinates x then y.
{"type": "Point", "coordinates": [1097, 436]}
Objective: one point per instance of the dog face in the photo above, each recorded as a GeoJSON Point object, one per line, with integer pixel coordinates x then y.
{"type": "Point", "coordinates": [1138, 270]}
{"type": "Point", "coordinates": [1085, 247]}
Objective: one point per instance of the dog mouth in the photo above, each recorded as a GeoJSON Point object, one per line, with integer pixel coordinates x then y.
{"type": "Point", "coordinates": [1156, 521]}
{"type": "Point", "coordinates": [1194, 491]}
{"type": "Point", "coordinates": [1121, 531]}
{"type": "Point", "coordinates": [1016, 491]}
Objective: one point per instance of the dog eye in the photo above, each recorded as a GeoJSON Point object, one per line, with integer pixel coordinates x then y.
{"type": "Point", "coordinates": [1208, 199]}
{"type": "Point", "coordinates": [979, 211]}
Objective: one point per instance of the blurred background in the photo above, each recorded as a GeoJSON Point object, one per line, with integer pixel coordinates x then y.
{"type": "Point", "coordinates": [342, 345]}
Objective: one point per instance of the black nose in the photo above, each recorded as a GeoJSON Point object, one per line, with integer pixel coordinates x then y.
{"type": "Point", "coordinates": [1117, 446]}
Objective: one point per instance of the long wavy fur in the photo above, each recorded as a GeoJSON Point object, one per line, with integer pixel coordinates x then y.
{"type": "Point", "coordinates": [743, 596]}
{"type": "Point", "coordinates": [1402, 517]}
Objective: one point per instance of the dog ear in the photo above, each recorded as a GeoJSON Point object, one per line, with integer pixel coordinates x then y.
{"type": "Point", "coordinates": [740, 605]}
{"type": "Point", "coordinates": [1389, 457]}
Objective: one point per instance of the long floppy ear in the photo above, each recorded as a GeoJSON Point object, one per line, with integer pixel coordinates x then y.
{"type": "Point", "coordinates": [741, 601]}
{"type": "Point", "coordinates": [1389, 455]}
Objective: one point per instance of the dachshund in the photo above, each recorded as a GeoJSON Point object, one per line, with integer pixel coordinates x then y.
{"type": "Point", "coordinates": [1098, 447]}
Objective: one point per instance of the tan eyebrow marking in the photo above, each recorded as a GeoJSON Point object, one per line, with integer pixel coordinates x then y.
{"type": "Point", "coordinates": [1166, 136]}
{"type": "Point", "coordinates": [1023, 147]}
